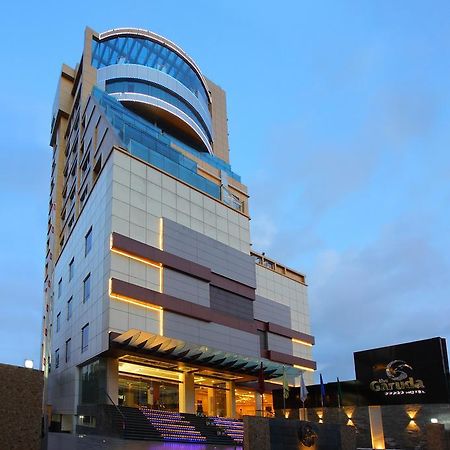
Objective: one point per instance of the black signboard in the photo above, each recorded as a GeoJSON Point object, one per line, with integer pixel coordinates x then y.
{"type": "Point", "coordinates": [416, 372]}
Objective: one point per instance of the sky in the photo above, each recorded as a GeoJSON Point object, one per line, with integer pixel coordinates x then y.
{"type": "Point", "coordinates": [339, 116]}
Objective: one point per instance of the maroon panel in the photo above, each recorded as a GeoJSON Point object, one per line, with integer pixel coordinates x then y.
{"type": "Point", "coordinates": [290, 359]}
{"type": "Point", "coordinates": [287, 332]}
{"type": "Point", "coordinates": [179, 306]}
{"type": "Point", "coordinates": [141, 250]}
{"type": "Point", "coordinates": [260, 325]}
{"type": "Point", "coordinates": [233, 286]}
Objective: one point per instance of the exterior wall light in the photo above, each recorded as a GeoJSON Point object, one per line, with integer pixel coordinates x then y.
{"type": "Point", "coordinates": [434, 420]}
{"type": "Point", "coordinates": [28, 363]}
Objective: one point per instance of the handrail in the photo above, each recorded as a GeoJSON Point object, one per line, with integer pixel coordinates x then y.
{"type": "Point", "coordinates": [119, 411]}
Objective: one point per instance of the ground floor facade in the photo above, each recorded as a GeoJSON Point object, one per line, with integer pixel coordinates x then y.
{"type": "Point", "coordinates": [135, 381]}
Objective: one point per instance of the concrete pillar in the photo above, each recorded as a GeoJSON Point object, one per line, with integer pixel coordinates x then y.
{"type": "Point", "coordinates": [211, 402]}
{"type": "Point", "coordinates": [303, 413]}
{"type": "Point", "coordinates": [258, 404]}
{"type": "Point", "coordinates": [187, 393]}
{"type": "Point", "coordinates": [112, 379]}
{"type": "Point", "coordinates": [376, 427]}
{"type": "Point", "coordinates": [149, 396]}
{"type": "Point", "coordinates": [231, 399]}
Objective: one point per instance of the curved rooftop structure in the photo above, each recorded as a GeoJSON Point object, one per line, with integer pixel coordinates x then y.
{"type": "Point", "coordinates": [157, 79]}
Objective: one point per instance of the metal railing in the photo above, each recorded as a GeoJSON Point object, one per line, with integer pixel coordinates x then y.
{"type": "Point", "coordinates": [118, 410]}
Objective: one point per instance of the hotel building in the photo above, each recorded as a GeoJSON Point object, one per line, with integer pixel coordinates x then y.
{"type": "Point", "coordinates": [154, 296]}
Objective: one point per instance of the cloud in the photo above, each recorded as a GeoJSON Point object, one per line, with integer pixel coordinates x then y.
{"type": "Point", "coordinates": [392, 290]}
{"type": "Point", "coordinates": [264, 231]}
{"type": "Point", "coordinates": [405, 115]}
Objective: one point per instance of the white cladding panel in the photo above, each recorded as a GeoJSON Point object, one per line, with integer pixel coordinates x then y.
{"type": "Point", "coordinates": [93, 311]}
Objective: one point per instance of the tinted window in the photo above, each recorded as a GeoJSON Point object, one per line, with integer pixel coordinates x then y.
{"type": "Point", "coordinates": [84, 338]}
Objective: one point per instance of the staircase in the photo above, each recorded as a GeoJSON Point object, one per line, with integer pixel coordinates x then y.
{"type": "Point", "coordinates": [148, 424]}
{"type": "Point", "coordinates": [213, 434]}
{"type": "Point", "coordinates": [172, 426]}
{"type": "Point", "coordinates": [231, 427]}
{"type": "Point", "coordinates": [137, 427]}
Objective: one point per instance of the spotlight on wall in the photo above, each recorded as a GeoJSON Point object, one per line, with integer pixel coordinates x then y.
{"type": "Point", "coordinates": [28, 363]}
{"type": "Point", "coordinates": [434, 420]}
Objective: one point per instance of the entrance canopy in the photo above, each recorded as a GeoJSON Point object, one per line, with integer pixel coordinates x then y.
{"type": "Point", "coordinates": [175, 349]}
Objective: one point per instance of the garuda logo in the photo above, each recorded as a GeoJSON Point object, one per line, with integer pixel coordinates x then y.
{"type": "Point", "coordinates": [395, 370]}
{"type": "Point", "coordinates": [398, 381]}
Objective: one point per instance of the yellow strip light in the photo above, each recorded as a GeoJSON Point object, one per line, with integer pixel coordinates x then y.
{"type": "Point", "coordinates": [135, 302]}
{"type": "Point", "coordinates": [307, 369]}
{"type": "Point", "coordinates": [161, 233]}
{"type": "Point", "coordinates": [137, 258]}
{"type": "Point", "coordinates": [299, 341]}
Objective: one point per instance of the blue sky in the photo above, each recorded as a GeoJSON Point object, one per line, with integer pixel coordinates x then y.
{"type": "Point", "coordinates": [339, 119]}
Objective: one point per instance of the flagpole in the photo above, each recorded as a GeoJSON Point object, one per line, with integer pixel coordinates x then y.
{"type": "Point", "coordinates": [339, 392]}
{"type": "Point", "coordinates": [322, 392]}
{"type": "Point", "coordinates": [303, 394]}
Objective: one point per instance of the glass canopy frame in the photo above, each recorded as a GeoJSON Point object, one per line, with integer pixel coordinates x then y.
{"type": "Point", "coordinates": [176, 349]}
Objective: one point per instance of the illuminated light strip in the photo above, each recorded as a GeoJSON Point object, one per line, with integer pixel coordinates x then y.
{"type": "Point", "coordinates": [161, 233]}
{"type": "Point", "coordinates": [137, 258]}
{"type": "Point", "coordinates": [299, 341]}
{"type": "Point", "coordinates": [132, 301]}
{"type": "Point", "coordinates": [307, 369]}
{"type": "Point", "coordinates": [143, 260]}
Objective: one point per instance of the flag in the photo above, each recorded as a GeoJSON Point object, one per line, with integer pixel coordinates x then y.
{"type": "Point", "coordinates": [322, 390]}
{"type": "Point", "coordinates": [285, 384]}
{"type": "Point", "coordinates": [261, 380]}
{"type": "Point", "coordinates": [339, 393]}
{"type": "Point", "coordinates": [303, 390]}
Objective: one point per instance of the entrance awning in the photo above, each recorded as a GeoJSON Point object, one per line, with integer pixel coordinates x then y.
{"type": "Point", "coordinates": [201, 355]}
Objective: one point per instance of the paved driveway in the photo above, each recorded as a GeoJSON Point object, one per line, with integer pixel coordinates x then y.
{"type": "Point", "coordinates": [64, 441]}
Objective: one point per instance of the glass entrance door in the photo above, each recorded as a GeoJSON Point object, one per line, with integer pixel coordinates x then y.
{"type": "Point", "coordinates": [152, 393]}
{"type": "Point", "coordinates": [210, 396]}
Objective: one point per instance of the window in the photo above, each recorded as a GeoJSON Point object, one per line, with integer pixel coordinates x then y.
{"type": "Point", "coordinates": [69, 308]}
{"type": "Point", "coordinates": [58, 321]}
{"type": "Point", "coordinates": [59, 287]}
{"type": "Point", "coordinates": [84, 338]}
{"type": "Point", "coordinates": [57, 358]}
{"type": "Point", "coordinates": [263, 341]}
{"type": "Point", "coordinates": [87, 288]}
{"type": "Point", "coordinates": [88, 242]}
{"type": "Point", "coordinates": [68, 342]}
{"type": "Point", "coordinates": [71, 269]}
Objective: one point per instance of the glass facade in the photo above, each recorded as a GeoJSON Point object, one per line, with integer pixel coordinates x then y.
{"type": "Point", "coordinates": [148, 88]}
{"type": "Point", "coordinates": [211, 399]}
{"type": "Point", "coordinates": [133, 50]}
{"type": "Point", "coordinates": [93, 382]}
{"type": "Point", "coordinates": [113, 108]}
{"type": "Point", "coordinates": [156, 394]}
{"type": "Point", "coordinates": [147, 142]}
